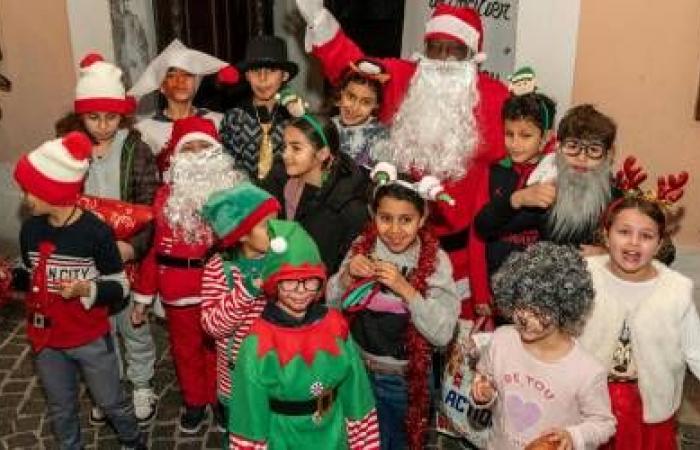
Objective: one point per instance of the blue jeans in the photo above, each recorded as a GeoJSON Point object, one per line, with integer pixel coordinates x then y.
{"type": "Point", "coordinates": [391, 395]}
{"type": "Point", "coordinates": [97, 361]}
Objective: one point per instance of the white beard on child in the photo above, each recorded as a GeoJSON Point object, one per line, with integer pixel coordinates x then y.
{"type": "Point", "coordinates": [435, 131]}
{"type": "Point", "coordinates": [192, 178]}
{"type": "Point", "coordinates": [581, 199]}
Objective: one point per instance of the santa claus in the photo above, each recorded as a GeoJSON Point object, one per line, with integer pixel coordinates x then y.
{"type": "Point", "coordinates": [445, 116]}
{"type": "Point", "coordinates": [173, 267]}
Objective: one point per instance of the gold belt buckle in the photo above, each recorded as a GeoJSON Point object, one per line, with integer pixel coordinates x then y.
{"type": "Point", "coordinates": [323, 405]}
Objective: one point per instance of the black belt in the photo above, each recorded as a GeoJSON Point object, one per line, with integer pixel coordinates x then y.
{"type": "Point", "coordinates": [38, 320]}
{"type": "Point", "coordinates": [183, 263]}
{"type": "Point", "coordinates": [317, 406]}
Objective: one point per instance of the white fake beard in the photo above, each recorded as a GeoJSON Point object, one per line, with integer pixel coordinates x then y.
{"type": "Point", "coordinates": [435, 131]}
{"type": "Point", "coordinates": [193, 177]}
{"type": "Point", "coordinates": [581, 199]}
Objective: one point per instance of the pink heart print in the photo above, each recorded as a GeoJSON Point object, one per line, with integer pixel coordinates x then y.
{"type": "Point", "coordinates": [522, 415]}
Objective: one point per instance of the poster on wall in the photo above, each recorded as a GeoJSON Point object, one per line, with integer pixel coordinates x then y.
{"type": "Point", "coordinates": [133, 34]}
{"type": "Point", "coordinates": [500, 20]}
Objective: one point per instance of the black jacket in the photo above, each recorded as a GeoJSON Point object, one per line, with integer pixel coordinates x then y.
{"type": "Point", "coordinates": [333, 214]}
{"type": "Point", "coordinates": [503, 228]}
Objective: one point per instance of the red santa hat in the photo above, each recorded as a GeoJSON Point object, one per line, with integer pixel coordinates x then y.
{"type": "Point", "coordinates": [193, 128]}
{"type": "Point", "coordinates": [55, 171]}
{"type": "Point", "coordinates": [457, 23]}
{"type": "Point", "coordinates": [100, 88]}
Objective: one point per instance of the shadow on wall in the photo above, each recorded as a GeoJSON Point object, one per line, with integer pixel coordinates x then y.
{"type": "Point", "coordinates": [10, 221]}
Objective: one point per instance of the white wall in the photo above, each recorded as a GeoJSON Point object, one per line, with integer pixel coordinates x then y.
{"type": "Point", "coordinates": [90, 28]}
{"type": "Point", "coordinates": [546, 40]}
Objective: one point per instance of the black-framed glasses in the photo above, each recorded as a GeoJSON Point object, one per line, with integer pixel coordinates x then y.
{"type": "Point", "coordinates": [309, 284]}
{"type": "Point", "coordinates": [592, 149]}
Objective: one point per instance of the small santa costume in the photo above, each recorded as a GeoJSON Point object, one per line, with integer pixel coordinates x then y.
{"type": "Point", "coordinates": [156, 130]}
{"type": "Point", "coordinates": [182, 243]}
{"type": "Point", "coordinates": [336, 51]}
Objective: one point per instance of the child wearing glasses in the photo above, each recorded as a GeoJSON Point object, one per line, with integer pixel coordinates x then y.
{"type": "Point", "coordinates": [582, 166]}
{"type": "Point", "coordinates": [299, 379]}
{"type": "Point", "coordinates": [544, 388]}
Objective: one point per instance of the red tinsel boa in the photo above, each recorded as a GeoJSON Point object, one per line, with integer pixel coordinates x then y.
{"type": "Point", "coordinates": [418, 347]}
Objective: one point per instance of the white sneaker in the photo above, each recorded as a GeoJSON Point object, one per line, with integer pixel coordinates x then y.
{"type": "Point", "coordinates": [97, 417]}
{"type": "Point", "coordinates": [145, 401]}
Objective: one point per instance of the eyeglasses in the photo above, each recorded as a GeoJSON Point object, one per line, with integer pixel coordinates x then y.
{"type": "Point", "coordinates": [309, 284]}
{"type": "Point", "coordinates": [574, 147]}
{"type": "Point", "coordinates": [438, 49]}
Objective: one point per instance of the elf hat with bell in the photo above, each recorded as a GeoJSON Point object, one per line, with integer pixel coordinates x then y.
{"type": "Point", "coordinates": [457, 23]}
{"type": "Point", "coordinates": [233, 212]}
{"type": "Point", "coordinates": [293, 255]}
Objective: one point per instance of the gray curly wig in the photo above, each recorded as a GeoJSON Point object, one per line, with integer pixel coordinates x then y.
{"type": "Point", "coordinates": [548, 278]}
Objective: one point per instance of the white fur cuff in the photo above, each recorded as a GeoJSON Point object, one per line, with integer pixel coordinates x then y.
{"type": "Point", "coordinates": [323, 28]}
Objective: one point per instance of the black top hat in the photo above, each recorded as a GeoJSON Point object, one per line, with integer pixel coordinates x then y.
{"type": "Point", "coordinates": [267, 51]}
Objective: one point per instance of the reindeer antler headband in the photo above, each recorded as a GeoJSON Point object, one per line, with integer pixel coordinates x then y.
{"type": "Point", "coordinates": [669, 188]}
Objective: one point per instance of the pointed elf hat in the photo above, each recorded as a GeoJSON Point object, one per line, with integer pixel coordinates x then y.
{"type": "Point", "coordinates": [293, 256]}
{"type": "Point", "coordinates": [232, 213]}
{"type": "Point", "coordinates": [181, 57]}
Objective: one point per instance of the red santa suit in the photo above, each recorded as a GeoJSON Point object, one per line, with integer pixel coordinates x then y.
{"type": "Point", "coordinates": [336, 51]}
{"type": "Point", "coordinates": [173, 268]}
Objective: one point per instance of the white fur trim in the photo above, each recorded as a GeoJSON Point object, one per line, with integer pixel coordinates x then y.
{"type": "Point", "coordinates": [321, 31]}
{"type": "Point", "coordinates": [454, 27]}
{"type": "Point", "coordinates": [384, 167]}
{"type": "Point", "coordinates": [195, 136]}
{"type": "Point", "coordinates": [546, 170]}
{"type": "Point", "coordinates": [278, 245]}
{"type": "Point", "coordinates": [100, 80]}
{"type": "Point", "coordinates": [55, 162]}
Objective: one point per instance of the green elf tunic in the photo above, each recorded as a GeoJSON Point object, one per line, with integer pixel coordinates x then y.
{"type": "Point", "coordinates": [302, 385]}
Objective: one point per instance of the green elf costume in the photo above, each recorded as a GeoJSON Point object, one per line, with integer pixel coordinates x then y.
{"type": "Point", "coordinates": [231, 283]}
{"type": "Point", "coordinates": [300, 382]}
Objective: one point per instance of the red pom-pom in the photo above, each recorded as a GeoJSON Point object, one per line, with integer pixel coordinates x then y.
{"type": "Point", "coordinates": [78, 145]}
{"type": "Point", "coordinates": [90, 59]}
{"type": "Point", "coordinates": [228, 75]}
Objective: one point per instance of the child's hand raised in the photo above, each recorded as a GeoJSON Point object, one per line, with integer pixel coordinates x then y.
{"type": "Point", "coordinates": [483, 390]}
{"type": "Point", "coordinates": [540, 195]}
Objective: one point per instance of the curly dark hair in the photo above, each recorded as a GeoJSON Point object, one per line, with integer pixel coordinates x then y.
{"type": "Point", "coordinates": [550, 279]}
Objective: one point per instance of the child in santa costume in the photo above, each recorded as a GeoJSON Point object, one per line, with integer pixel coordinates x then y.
{"type": "Point", "coordinates": [538, 379]}
{"type": "Point", "coordinates": [182, 243]}
{"type": "Point", "coordinates": [299, 379]}
{"type": "Point", "coordinates": [231, 283]}
{"type": "Point", "coordinates": [512, 217]}
{"type": "Point", "coordinates": [176, 73]}
{"type": "Point", "coordinates": [122, 168]}
{"type": "Point", "coordinates": [76, 273]}
{"type": "Point", "coordinates": [410, 306]}
{"type": "Point", "coordinates": [445, 116]}
{"type": "Point", "coordinates": [252, 131]}
{"type": "Point", "coordinates": [644, 327]}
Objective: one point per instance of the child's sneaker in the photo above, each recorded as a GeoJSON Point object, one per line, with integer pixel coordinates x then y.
{"type": "Point", "coordinates": [97, 417]}
{"type": "Point", "coordinates": [145, 402]}
{"type": "Point", "coordinates": [219, 417]}
{"type": "Point", "coordinates": [192, 419]}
